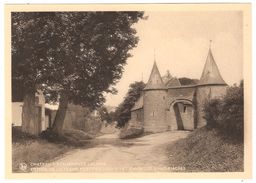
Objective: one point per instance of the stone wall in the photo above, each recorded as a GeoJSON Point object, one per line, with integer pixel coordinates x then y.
{"type": "Point", "coordinates": [80, 118]}
{"type": "Point", "coordinates": [187, 116]}
{"type": "Point", "coordinates": [75, 117]}
{"type": "Point", "coordinates": [163, 110]}
{"type": "Point", "coordinates": [137, 115]}
{"type": "Point", "coordinates": [180, 93]}
{"type": "Point", "coordinates": [16, 113]}
{"type": "Point", "coordinates": [171, 119]}
{"type": "Point", "coordinates": [155, 111]}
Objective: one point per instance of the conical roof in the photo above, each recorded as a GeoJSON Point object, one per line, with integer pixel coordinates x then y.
{"type": "Point", "coordinates": [211, 74]}
{"type": "Point", "coordinates": [155, 81]}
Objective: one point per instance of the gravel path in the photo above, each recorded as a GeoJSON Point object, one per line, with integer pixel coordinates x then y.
{"type": "Point", "coordinates": [108, 153]}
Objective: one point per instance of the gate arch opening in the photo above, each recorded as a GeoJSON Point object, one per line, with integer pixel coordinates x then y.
{"type": "Point", "coordinates": [184, 114]}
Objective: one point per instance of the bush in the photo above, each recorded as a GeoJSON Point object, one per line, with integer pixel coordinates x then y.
{"type": "Point", "coordinates": [70, 137]}
{"type": "Point", "coordinates": [130, 133]}
{"type": "Point", "coordinates": [132, 129]}
{"type": "Point", "coordinates": [227, 114]}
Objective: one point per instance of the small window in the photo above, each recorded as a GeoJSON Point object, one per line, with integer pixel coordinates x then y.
{"type": "Point", "coordinates": [164, 97]}
{"type": "Point", "coordinates": [184, 109]}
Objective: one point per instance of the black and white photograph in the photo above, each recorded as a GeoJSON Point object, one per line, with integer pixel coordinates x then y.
{"type": "Point", "coordinates": [129, 90]}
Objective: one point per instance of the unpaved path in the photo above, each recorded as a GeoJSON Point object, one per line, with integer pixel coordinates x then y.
{"type": "Point", "coordinates": [108, 153]}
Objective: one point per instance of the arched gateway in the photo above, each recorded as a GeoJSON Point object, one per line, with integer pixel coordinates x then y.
{"type": "Point", "coordinates": [183, 110]}
{"type": "Point", "coordinates": [167, 105]}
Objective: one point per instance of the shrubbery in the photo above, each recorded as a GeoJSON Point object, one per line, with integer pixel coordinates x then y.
{"type": "Point", "coordinates": [71, 137]}
{"type": "Point", "coordinates": [131, 133]}
{"type": "Point", "coordinates": [132, 129]}
{"type": "Point", "coordinates": [227, 114]}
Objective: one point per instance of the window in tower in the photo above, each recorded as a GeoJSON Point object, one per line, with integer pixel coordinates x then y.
{"type": "Point", "coordinates": [184, 109]}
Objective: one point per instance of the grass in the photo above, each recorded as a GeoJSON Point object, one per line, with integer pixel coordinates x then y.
{"type": "Point", "coordinates": [205, 150]}
{"type": "Point", "coordinates": [31, 151]}
{"type": "Point", "coordinates": [35, 152]}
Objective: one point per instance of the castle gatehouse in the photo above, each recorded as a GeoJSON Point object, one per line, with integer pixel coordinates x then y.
{"type": "Point", "coordinates": [166, 105]}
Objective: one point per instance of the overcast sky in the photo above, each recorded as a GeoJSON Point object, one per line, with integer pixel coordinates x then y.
{"type": "Point", "coordinates": [181, 44]}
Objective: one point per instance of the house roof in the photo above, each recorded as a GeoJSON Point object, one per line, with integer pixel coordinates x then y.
{"type": "Point", "coordinates": [155, 81]}
{"type": "Point", "coordinates": [211, 74]}
{"type": "Point", "coordinates": [138, 104]}
{"type": "Point", "coordinates": [173, 82]}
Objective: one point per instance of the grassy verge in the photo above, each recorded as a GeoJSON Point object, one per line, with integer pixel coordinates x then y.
{"type": "Point", "coordinates": [35, 152]}
{"type": "Point", "coordinates": [29, 151]}
{"type": "Point", "coordinates": [205, 150]}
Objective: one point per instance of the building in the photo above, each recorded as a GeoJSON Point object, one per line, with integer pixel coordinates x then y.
{"type": "Point", "coordinates": [42, 118]}
{"type": "Point", "coordinates": [17, 113]}
{"type": "Point", "coordinates": [167, 105]}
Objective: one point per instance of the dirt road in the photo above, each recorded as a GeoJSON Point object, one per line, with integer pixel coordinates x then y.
{"type": "Point", "coordinates": [108, 153]}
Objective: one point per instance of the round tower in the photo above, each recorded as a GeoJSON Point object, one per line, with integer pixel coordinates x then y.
{"type": "Point", "coordinates": [211, 85]}
{"type": "Point", "coordinates": [154, 103]}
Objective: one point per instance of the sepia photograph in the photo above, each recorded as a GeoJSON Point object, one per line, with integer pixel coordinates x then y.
{"type": "Point", "coordinates": [129, 89]}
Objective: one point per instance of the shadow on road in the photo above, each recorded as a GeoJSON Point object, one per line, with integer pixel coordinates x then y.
{"type": "Point", "coordinates": [114, 141]}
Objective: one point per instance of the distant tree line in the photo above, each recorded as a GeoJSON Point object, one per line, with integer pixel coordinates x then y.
{"type": "Point", "coordinates": [123, 111]}
{"type": "Point", "coordinates": [188, 81]}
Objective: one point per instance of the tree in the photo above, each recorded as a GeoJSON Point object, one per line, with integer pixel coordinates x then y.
{"type": "Point", "coordinates": [112, 116]}
{"type": "Point", "coordinates": [167, 76]}
{"type": "Point", "coordinates": [123, 111]}
{"type": "Point", "coordinates": [74, 55]}
{"type": "Point", "coordinates": [104, 115]}
{"type": "Point", "coordinates": [188, 81]}
{"type": "Point", "coordinates": [227, 114]}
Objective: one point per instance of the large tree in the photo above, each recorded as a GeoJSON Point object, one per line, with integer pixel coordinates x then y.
{"type": "Point", "coordinates": [123, 111]}
{"type": "Point", "coordinates": [74, 55]}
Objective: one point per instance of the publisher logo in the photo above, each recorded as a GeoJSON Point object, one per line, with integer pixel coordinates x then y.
{"type": "Point", "coordinates": [23, 166]}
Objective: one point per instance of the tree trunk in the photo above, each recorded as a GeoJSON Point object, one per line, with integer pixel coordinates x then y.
{"type": "Point", "coordinates": [29, 114]}
{"type": "Point", "coordinates": [61, 113]}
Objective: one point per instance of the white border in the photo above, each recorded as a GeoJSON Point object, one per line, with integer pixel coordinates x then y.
{"type": "Point", "coordinates": [2, 98]}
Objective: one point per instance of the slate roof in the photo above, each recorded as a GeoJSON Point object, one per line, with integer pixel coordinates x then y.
{"type": "Point", "coordinates": [211, 74]}
{"type": "Point", "coordinates": [173, 82]}
{"type": "Point", "coordinates": [138, 104]}
{"type": "Point", "coordinates": [155, 81]}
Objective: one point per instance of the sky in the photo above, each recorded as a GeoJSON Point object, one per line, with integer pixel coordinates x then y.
{"type": "Point", "coordinates": [179, 42]}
